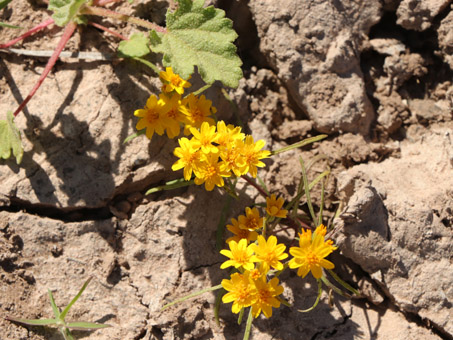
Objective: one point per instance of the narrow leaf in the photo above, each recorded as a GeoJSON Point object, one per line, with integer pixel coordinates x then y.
{"type": "Point", "coordinates": [136, 46]}
{"type": "Point", "coordinates": [64, 10]}
{"type": "Point", "coordinates": [307, 190]}
{"type": "Point", "coordinates": [343, 283]}
{"type": "Point", "coordinates": [177, 183]}
{"type": "Point", "coordinates": [9, 26]}
{"type": "Point", "coordinates": [56, 312]}
{"type": "Point", "coordinates": [299, 144]}
{"type": "Point", "coordinates": [134, 135]}
{"type": "Point", "coordinates": [35, 322]}
{"type": "Point", "coordinates": [10, 139]}
{"type": "Point", "coordinates": [210, 289]}
{"type": "Point", "coordinates": [68, 307]}
{"type": "Point", "coordinates": [4, 3]}
{"type": "Point", "coordinates": [248, 326]}
{"type": "Point", "coordinates": [201, 37]}
{"type": "Point", "coordinates": [80, 325]}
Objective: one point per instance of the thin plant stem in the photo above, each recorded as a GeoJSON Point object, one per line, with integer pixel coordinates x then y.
{"type": "Point", "coordinates": [103, 2]}
{"type": "Point", "coordinates": [148, 63]}
{"type": "Point", "coordinates": [105, 29]}
{"type": "Point", "coordinates": [28, 33]}
{"type": "Point", "coordinates": [202, 89]}
{"type": "Point", "coordinates": [307, 190]}
{"type": "Point", "coordinates": [90, 10]}
{"type": "Point", "coordinates": [67, 33]}
{"type": "Point", "coordinates": [248, 326]}
{"type": "Point", "coordinates": [254, 184]}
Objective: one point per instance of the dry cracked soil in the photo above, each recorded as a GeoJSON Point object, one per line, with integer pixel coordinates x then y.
{"type": "Point", "coordinates": [375, 76]}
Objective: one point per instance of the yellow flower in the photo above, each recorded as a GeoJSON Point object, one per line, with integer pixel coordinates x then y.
{"type": "Point", "coordinates": [252, 153]}
{"type": "Point", "coordinates": [196, 111]}
{"type": "Point", "coordinates": [210, 172]}
{"type": "Point", "coordinates": [172, 116]}
{"type": "Point", "coordinates": [204, 138]}
{"type": "Point", "coordinates": [265, 296]}
{"type": "Point", "coordinates": [232, 157]}
{"type": "Point", "coordinates": [172, 82]}
{"type": "Point", "coordinates": [239, 255]}
{"type": "Point", "coordinates": [310, 254]}
{"type": "Point", "coordinates": [240, 233]}
{"type": "Point", "coordinates": [251, 220]}
{"type": "Point", "coordinates": [274, 207]}
{"type": "Point", "coordinates": [240, 291]}
{"type": "Point", "coordinates": [188, 157]}
{"type": "Point", "coordinates": [150, 117]}
{"type": "Point", "coordinates": [228, 134]}
{"type": "Point", "coordinates": [269, 253]}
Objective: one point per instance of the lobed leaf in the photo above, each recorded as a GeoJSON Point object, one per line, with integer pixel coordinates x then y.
{"type": "Point", "coordinates": [10, 139]}
{"type": "Point", "coordinates": [201, 37]}
{"type": "Point", "coordinates": [64, 10]}
{"type": "Point", "coordinates": [136, 46]}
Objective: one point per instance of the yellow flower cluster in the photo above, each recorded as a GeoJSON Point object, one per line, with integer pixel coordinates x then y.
{"type": "Point", "coordinates": [170, 110]}
{"type": "Point", "coordinates": [218, 151]}
{"type": "Point", "coordinates": [251, 287]}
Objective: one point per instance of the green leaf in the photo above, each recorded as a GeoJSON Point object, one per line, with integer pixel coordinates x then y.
{"type": "Point", "coordinates": [55, 310]}
{"type": "Point", "coordinates": [80, 325]}
{"type": "Point", "coordinates": [8, 26]}
{"type": "Point", "coordinates": [201, 37]}
{"type": "Point", "coordinates": [187, 297]}
{"type": "Point", "coordinates": [65, 10]}
{"type": "Point", "coordinates": [136, 46]}
{"type": "Point", "coordinates": [4, 3]}
{"type": "Point", "coordinates": [10, 139]}
{"type": "Point", "coordinates": [68, 307]}
{"type": "Point", "coordinates": [35, 322]}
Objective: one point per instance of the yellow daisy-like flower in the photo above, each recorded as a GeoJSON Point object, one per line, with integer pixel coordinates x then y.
{"type": "Point", "coordinates": [240, 255]}
{"type": "Point", "coordinates": [151, 119]}
{"type": "Point", "coordinates": [240, 233]}
{"type": "Point", "coordinates": [196, 111]}
{"type": "Point", "coordinates": [188, 155]}
{"type": "Point", "coordinates": [269, 253]}
{"type": "Point", "coordinates": [228, 134]}
{"type": "Point", "coordinates": [265, 296]}
{"type": "Point", "coordinates": [210, 172]}
{"type": "Point", "coordinates": [274, 207]}
{"type": "Point", "coordinates": [232, 157]}
{"type": "Point", "coordinates": [240, 291]}
{"type": "Point", "coordinates": [251, 220]}
{"type": "Point", "coordinates": [171, 115]}
{"type": "Point", "coordinates": [172, 81]}
{"type": "Point", "coordinates": [252, 153]}
{"type": "Point", "coordinates": [310, 254]}
{"type": "Point", "coordinates": [204, 138]}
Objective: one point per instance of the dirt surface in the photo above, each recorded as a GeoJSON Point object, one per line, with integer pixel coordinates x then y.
{"type": "Point", "coordinates": [376, 76]}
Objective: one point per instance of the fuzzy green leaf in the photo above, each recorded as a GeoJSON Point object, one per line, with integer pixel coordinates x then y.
{"type": "Point", "coordinates": [10, 139]}
{"type": "Point", "coordinates": [64, 10]}
{"type": "Point", "coordinates": [201, 37]}
{"type": "Point", "coordinates": [136, 46]}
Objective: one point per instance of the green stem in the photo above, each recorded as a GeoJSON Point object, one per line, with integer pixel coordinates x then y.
{"type": "Point", "coordinates": [299, 144]}
{"type": "Point", "coordinates": [177, 183]}
{"type": "Point", "coordinates": [317, 299]}
{"type": "Point", "coordinates": [248, 326]}
{"type": "Point", "coordinates": [307, 191]}
{"type": "Point", "coordinates": [99, 11]}
{"type": "Point", "coordinates": [148, 63]}
{"type": "Point", "coordinates": [210, 289]}
{"type": "Point", "coordinates": [202, 89]}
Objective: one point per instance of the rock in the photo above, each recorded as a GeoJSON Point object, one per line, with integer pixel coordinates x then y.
{"type": "Point", "coordinates": [418, 15]}
{"type": "Point", "coordinates": [445, 37]}
{"type": "Point", "coordinates": [315, 51]}
{"type": "Point", "coordinates": [396, 224]}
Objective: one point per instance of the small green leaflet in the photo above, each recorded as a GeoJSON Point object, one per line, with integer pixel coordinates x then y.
{"type": "Point", "coordinates": [201, 37]}
{"type": "Point", "coordinates": [10, 139]}
{"type": "Point", "coordinates": [64, 10]}
{"type": "Point", "coordinates": [136, 46]}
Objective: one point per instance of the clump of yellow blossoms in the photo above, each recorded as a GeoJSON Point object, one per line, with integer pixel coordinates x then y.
{"type": "Point", "coordinates": [252, 286]}
{"type": "Point", "coordinates": [215, 151]}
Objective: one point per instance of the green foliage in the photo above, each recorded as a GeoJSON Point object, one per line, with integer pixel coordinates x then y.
{"type": "Point", "coordinates": [59, 319]}
{"type": "Point", "coordinates": [201, 37]}
{"type": "Point", "coordinates": [136, 46]}
{"type": "Point", "coordinates": [10, 139]}
{"type": "Point", "coordinates": [65, 10]}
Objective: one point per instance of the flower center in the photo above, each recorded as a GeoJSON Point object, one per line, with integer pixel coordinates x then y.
{"type": "Point", "coordinates": [312, 258]}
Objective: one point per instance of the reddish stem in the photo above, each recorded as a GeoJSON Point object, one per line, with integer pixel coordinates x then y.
{"type": "Point", "coordinates": [28, 33]}
{"type": "Point", "coordinates": [116, 34]}
{"type": "Point", "coordinates": [67, 33]}
{"type": "Point", "coordinates": [251, 182]}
